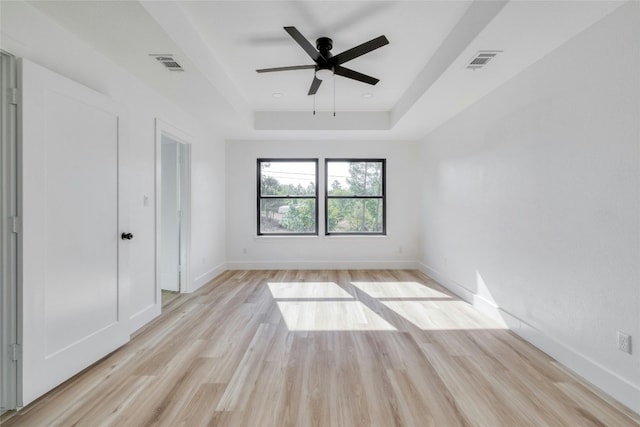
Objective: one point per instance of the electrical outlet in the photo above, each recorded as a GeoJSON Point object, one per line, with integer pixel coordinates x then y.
{"type": "Point", "coordinates": [624, 342]}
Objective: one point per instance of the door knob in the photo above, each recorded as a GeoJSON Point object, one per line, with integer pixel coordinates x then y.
{"type": "Point", "coordinates": [126, 236]}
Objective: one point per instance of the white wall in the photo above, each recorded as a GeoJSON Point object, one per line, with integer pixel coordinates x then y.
{"type": "Point", "coordinates": [28, 33]}
{"type": "Point", "coordinates": [399, 249]}
{"type": "Point", "coordinates": [531, 203]}
{"type": "Point", "coordinates": [208, 216]}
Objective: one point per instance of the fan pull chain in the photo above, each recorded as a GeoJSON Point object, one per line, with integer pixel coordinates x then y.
{"type": "Point", "coordinates": [314, 104]}
{"type": "Point", "coordinates": [334, 94]}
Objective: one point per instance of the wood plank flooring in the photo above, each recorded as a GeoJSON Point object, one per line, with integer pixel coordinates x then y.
{"type": "Point", "coordinates": [323, 348]}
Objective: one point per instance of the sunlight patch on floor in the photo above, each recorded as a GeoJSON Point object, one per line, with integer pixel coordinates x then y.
{"type": "Point", "coordinates": [427, 308]}
{"type": "Point", "coordinates": [331, 316]}
{"type": "Point", "coordinates": [398, 290]}
{"type": "Point", "coordinates": [442, 315]}
{"type": "Point", "coordinates": [326, 306]}
{"type": "Point", "coordinates": [307, 290]}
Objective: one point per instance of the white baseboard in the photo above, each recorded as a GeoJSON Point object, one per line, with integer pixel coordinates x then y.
{"type": "Point", "coordinates": [144, 316]}
{"type": "Point", "coordinates": [322, 265]}
{"type": "Point", "coordinates": [206, 277]}
{"type": "Point", "coordinates": [599, 376]}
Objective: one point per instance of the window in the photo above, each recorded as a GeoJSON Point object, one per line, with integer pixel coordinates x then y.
{"type": "Point", "coordinates": [355, 196]}
{"type": "Point", "coordinates": [287, 196]}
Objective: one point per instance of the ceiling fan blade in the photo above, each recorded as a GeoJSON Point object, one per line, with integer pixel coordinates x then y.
{"type": "Point", "coordinates": [294, 67]}
{"type": "Point", "coordinates": [360, 50]}
{"type": "Point", "coordinates": [315, 84]}
{"type": "Point", "coordinates": [304, 43]}
{"type": "Point", "coordinates": [349, 73]}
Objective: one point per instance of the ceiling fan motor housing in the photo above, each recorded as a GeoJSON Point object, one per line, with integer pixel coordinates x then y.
{"type": "Point", "coordinates": [324, 45]}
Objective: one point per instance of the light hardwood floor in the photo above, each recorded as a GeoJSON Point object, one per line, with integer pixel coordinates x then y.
{"type": "Point", "coordinates": [323, 348]}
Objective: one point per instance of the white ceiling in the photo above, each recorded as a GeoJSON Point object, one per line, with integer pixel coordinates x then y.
{"type": "Point", "coordinates": [423, 79]}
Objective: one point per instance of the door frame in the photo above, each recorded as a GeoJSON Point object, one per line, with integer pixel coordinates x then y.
{"type": "Point", "coordinates": [184, 153]}
{"type": "Point", "coordinates": [10, 341]}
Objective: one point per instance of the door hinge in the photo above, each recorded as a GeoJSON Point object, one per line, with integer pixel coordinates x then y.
{"type": "Point", "coordinates": [15, 352]}
{"type": "Point", "coordinates": [14, 95]}
{"type": "Point", "coordinates": [16, 224]}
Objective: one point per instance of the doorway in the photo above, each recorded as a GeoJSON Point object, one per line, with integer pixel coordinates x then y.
{"type": "Point", "coordinates": [173, 210]}
{"type": "Point", "coordinates": [9, 350]}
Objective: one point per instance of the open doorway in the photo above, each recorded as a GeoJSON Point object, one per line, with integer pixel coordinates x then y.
{"type": "Point", "coordinates": [173, 211]}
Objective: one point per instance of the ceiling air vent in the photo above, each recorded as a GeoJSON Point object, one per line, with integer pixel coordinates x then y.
{"type": "Point", "coordinates": [168, 62]}
{"type": "Point", "coordinates": [481, 58]}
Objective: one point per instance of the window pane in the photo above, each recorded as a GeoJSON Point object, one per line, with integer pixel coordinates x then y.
{"type": "Point", "coordinates": [346, 178]}
{"type": "Point", "coordinates": [354, 215]}
{"type": "Point", "coordinates": [287, 178]}
{"type": "Point", "coordinates": [287, 216]}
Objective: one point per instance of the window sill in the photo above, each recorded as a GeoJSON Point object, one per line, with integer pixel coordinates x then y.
{"type": "Point", "coordinates": [322, 236]}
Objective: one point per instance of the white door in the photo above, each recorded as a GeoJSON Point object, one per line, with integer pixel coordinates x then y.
{"type": "Point", "coordinates": [73, 309]}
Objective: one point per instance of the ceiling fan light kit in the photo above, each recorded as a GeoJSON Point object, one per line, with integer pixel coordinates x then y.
{"type": "Point", "coordinates": [324, 74]}
{"type": "Point", "coordinates": [328, 65]}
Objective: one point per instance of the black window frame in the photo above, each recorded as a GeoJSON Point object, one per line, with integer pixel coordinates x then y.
{"type": "Point", "coordinates": [260, 197]}
{"type": "Point", "coordinates": [382, 196]}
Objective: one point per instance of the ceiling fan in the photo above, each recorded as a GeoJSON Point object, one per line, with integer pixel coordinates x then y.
{"type": "Point", "coordinates": [325, 63]}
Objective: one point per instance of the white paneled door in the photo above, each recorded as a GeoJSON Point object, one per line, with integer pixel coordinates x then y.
{"type": "Point", "coordinates": [73, 310]}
